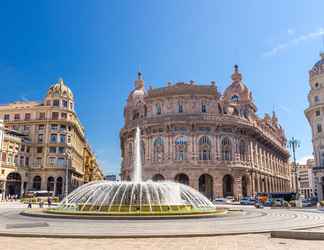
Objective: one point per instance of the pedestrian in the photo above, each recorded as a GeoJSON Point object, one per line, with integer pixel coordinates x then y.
{"type": "Point", "coordinates": [49, 201]}
{"type": "Point", "coordinates": [41, 204]}
{"type": "Point", "coordinates": [29, 204]}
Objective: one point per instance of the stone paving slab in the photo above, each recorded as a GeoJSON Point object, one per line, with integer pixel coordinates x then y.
{"type": "Point", "coordinates": [242, 242]}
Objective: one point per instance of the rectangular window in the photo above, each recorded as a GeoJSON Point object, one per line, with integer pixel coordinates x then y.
{"type": "Point", "coordinates": [28, 149]}
{"type": "Point", "coordinates": [63, 115]}
{"type": "Point", "coordinates": [17, 117]}
{"type": "Point", "coordinates": [6, 117]}
{"type": "Point", "coordinates": [61, 162]}
{"type": "Point", "coordinates": [26, 127]}
{"type": "Point", "coordinates": [61, 150]}
{"type": "Point", "coordinates": [38, 161]}
{"type": "Point", "coordinates": [53, 138]}
{"type": "Point", "coordinates": [39, 150]}
{"type": "Point", "coordinates": [55, 115]}
{"type": "Point", "coordinates": [52, 150]}
{"type": "Point", "coordinates": [54, 127]}
{"type": "Point", "coordinates": [319, 128]}
{"type": "Point", "coordinates": [51, 160]}
{"type": "Point", "coordinates": [63, 128]}
{"type": "Point", "coordinates": [27, 161]}
{"type": "Point", "coordinates": [56, 103]}
{"type": "Point", "coordinates": [65, 103]}
{"type": "Point", "coordinates": [22, 148]}
{"type": "Point", "coordinates": [21, 161]}
{"type": "Point", "coordinates": [27, 116]}
{"type": "Point", "coordinates": [62, 138]}
{"type": "Point", "coordinates": [48, 103]}
{"type": "Point", "coordinates": [316, 98]}
{"type": "Point", "coordinates": [42, 116]}
{"type": "Point", "coordinates": [41, 127]}
{"type": "Point", "coordinates": [318, 112]}
{"type": "Point", "coordinates": [69, 139]}
{"type": "Point", "coordinates": [40, 138]}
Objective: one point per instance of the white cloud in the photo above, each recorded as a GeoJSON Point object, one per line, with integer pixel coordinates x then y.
{"type": "Point", "coordinates": [304, 159]}
{"type": "Point", "coordinates": [312, 35]}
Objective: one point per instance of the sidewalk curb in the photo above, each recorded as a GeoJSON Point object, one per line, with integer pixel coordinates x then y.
{"type": "Point", "coordinates": [298, 235]}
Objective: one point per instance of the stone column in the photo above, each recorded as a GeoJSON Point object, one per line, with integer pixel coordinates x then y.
{"type": "Point", "coordinates": [217, 186]}
{"type": "Point", "coordinates": [237, 186]}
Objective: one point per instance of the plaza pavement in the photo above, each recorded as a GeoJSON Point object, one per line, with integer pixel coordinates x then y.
{"type": "Point", "coordinates": [253, 220]}
{"type": "Point", "coordinates": [239, 242]}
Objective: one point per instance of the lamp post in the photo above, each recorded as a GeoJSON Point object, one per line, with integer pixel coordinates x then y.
{"type": "Point", "coordinates": [294, 144]}
{"type": "Point", "coordinates": [66, 191]}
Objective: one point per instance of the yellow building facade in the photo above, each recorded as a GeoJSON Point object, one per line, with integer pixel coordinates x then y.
{"type": "Point", "coordinates": [57, 146]}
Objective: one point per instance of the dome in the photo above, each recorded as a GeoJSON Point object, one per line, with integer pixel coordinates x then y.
{"type": "Point", "coordinates": [237, 91]}
{"type": "Point", "coordinates": [318, 64]}
{"type": "Point", "coordinates": [59, 89]}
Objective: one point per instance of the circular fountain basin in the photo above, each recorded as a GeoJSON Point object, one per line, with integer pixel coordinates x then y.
{"type": "Point", "coordinates": [134, 199]}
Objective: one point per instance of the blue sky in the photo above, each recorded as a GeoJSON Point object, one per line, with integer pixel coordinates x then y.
{"type": "Point", "coordinates": [97, 47]}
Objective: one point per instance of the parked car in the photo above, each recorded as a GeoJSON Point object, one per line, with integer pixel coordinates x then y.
{"type": "Point", "coordinates": [306, 203]}
{"type": "Point", "coordinates": [268, 203]}
{"type": "Point", "coordinates": [229, 199]}
{"type": "Point", "coordinates": [247, 201]}
{"type": "Point", "coordinates": [219, 200]}
{"type": "Point", "coordinates": [277, 202]}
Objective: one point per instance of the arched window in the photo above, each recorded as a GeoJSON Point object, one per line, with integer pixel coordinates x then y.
{"type": "Point", "coordinates": [204, 148]}
{"type": "Point", "coordinates": [37, 182]}
{"type": "Point", "coordinates": [59, 186]}
{"type": "Point", "coordinates": [158, 153]}
{"type": "Point", "coordinates": [226, 149]}
{"type": "Point", "coordinates": [203, 108]}
{"type": "Point", "coordinates": [242, 150]}
{"type": "Point", "coordinates": [180, 107]}
{"type": "Point", "coordinates": [158, 108]}
{"type": "Point", "coordinates": [181, 148]}
{"type": "Point", "coordinates": [50, 183]}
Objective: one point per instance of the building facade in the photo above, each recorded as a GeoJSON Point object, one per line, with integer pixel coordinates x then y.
{"type": "Point", "coordinates": [315, 117]}
{"type": "Point", "coordinates": [306, 185]}
{"type": "Point", "coordinates": [56, 143]}
{"type": "Point", "coordinates": [215, 143]}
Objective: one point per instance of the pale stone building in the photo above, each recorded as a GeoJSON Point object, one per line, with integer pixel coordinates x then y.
{"type": "Point", "coordinates": [56, 142]}
{"type": "Point", "coordinates": [305, 179]}
{"type": "Point", "coordinates": [314, 114]}
{"type": "Point", "coordinates": [212, 142]}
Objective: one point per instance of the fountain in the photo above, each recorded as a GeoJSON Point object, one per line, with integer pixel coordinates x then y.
{"type": "Point", "coordinates": [136, 197]}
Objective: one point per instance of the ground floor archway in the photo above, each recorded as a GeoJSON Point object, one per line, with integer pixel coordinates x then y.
{"type": "Point", "coordinates": [182, 178]}
{"type": "Point", "coordinates": [228, 185]}
{"type": "Point", "coordinates": [158, 177]}
{"type": "Point", "coordinates": [206, 185]}
{"type": "Point", "coordinates": [59, 186]}
{"type": "Point", "coordinates": [244, 185]}
{"type": "Point", "coordinates": [13, 184]}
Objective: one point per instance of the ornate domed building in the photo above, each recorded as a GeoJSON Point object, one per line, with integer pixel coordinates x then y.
{"type": "Point", "coordinates": [195, 135]}
{"type": "Point", "coordinates": [314, 114]}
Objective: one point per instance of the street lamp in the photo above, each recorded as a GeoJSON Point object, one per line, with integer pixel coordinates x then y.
{"type": "Point", "coordinates": [66, 191]}
{"type": "Point", "coordinates": [294, 144]}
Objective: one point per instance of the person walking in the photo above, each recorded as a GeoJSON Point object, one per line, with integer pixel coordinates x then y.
{"type": "Point", "coordinates": [49, 201]}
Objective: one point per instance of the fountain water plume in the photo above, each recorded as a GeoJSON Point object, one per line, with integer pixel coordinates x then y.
{"type": "Point", "coordinates": [136, 196]}
{"type": "Point", "coordinates": [137, 168]}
